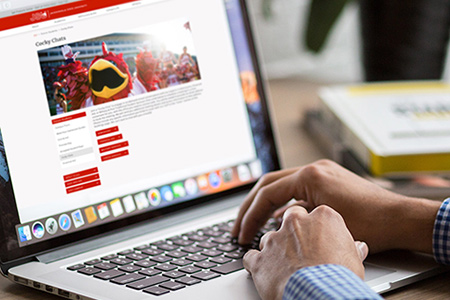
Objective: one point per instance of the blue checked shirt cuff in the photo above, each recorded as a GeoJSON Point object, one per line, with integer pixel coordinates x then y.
{"type": "Point", "coordinates": [327, 282]}
{"type": "Point", "coordinates": [441, 234]}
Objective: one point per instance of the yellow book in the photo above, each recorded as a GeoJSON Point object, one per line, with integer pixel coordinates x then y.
{"type": "Point", "coordinates": [392, 128]}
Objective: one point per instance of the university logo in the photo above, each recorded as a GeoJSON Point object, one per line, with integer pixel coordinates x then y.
{"type": "Point", "coordinates": [38, 16]}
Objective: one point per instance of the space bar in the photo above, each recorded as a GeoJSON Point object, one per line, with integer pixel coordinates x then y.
{"type": "Point", "coordinates": [229, 267]}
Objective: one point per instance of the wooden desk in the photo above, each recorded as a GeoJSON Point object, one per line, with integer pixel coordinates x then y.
{"type": "Point", "coordinates": [291, 98]}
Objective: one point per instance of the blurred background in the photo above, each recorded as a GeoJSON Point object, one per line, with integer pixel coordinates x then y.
{"type": "Point", "coordinates": [280, 27]}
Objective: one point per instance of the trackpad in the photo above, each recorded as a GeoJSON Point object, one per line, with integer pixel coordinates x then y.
{"type": "Point", "coordinates": [374, 271]}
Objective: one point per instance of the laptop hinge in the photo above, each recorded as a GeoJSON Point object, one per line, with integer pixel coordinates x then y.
{"type": "Point", "coordinates": [138, 229]}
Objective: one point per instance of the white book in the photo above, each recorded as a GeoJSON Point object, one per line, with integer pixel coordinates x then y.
{"type": "Point", "coordinates": [392, 128]}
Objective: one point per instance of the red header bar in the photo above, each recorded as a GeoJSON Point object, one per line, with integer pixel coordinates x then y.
{"type": "Point", "coordinates": [57, 12]}
{"type": "Point", "coordinates": [68, 118]}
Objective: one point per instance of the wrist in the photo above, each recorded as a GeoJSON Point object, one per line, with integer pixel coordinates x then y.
{"type": "Point", "coordinates": [414, 224]}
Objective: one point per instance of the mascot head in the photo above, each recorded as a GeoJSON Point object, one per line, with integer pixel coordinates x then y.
{"type": "Point", "coordinates": [109, 77]}
{"type": "Point", "coordinates": [145, 69]}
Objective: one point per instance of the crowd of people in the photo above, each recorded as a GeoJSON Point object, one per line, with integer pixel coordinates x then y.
{"type": "Point", "coordinates": [69, 88]}
{"type": "Point", "coordinates": [174, 71]}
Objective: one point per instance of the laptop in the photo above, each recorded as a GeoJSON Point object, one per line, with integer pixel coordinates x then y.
{"type": "Point", "coordinates": [130, 133]}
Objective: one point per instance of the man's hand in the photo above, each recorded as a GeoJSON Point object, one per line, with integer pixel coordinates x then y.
{"type": "Point", "coordinates": [383, 219]}
{"type": "Point", "coordinates": [303, 240]}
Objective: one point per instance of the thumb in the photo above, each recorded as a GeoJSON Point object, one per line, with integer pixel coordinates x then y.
{"type": "Point", "coordinates": [363, 249]}
{"type": "Point", "coordinates": [249, 260]}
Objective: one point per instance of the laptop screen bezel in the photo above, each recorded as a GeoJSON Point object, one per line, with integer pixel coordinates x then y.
{"type": "Point", "coordinates": [14, 256]}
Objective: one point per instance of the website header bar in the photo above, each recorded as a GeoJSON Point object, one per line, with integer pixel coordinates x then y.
{"type": "Point", "coordinates": [56, 12]}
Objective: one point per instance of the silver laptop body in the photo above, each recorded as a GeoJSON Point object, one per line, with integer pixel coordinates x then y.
{"type": "Point", "coordinates": [123, 207]}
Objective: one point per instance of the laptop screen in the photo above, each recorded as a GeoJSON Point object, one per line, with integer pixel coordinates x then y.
{"type": "Point", "coordinates": [115, 114]}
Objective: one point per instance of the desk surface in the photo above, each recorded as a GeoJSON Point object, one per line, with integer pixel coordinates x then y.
{"type": "Point", "coordinates": [291, 98]}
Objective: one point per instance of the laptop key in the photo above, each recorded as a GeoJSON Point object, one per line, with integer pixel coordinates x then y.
{"type": "Point", "coordinates": [165, 267]}
{"type": "Point", "coordinates": [173, 238]}
{"type": "Point", "coordinates": [196, 257]}
{"type": "Point", "coordinates": [225, 227]}
{"type": "Point", "coordinates": [220, 260]}
{"type": "Point", "coordinates": [206, 245]}
{"type": "Point", "coordinates": [150, 272]}
{"type": "Point", "coordinates": [213, 233]}
{"type": "Point", "coordinates": [181, 262]}
{"type": "Point", "coordinates": [161, 258]}
{"type": "Point", "coordinates": [168, 247]}
{"type": "Point", "coordinates": [109, 257]}
{"type": "Point", "coordinates": [92, 262]}
{"type": "Point", "coordinates": [236, 254]}
{"type": "Point", "coordinates": [108, 275]}
{"type": "Point", "coordinates": [227, 248]}
{"type": "Point", "coordinates": [160, 242]}
{"type": "Point", "coordinates": [221, 240]}
{"type": "Point", "coordinates": [174, 274]}
{"type": "Point", "coordinates": [152, 251]}
{"type": "Point", "coordinates": [145, 283]}
{"type": "Point", "coordinates": [176, 254]}
{"type": "Point", "coordinates": [188, 280]}
{"type": "Point", "coordinates": [205, 275]}
{"type": "Point", "coordinates": [211, 253]}
{"type": "Point", "coordinates": [198, 238]}
{"type": "Point", "coordinates": [190, 270]}
{"type": "Point", "coordinates": [192, 249]}
{"type": "Point", "coordinates": [126, 252]}
{"type": "Point", "coordinates": [142, 247]}
{"type": "Point", "coordinates": [205, 264]}
{"type": "Point", "coordinates": [121, 261]}
{"type": "Point", "coordinates": [130, 268]}
{"type": "Point", "coordinates": [89, 271]}
{"type": "Point", "coordinates": [189, 233]}
{"type": "Point", "coordinates": [136, 256]}
{"type": "Point", "coordinates": [145, 263]}
{"type": "Point", "coordinates": [182, 242]}
{"type": "Point", "coordinates": [125, 279]}
{"type": "Point", "coordinates": [76, 267]}
{"type": "Point", "coordinates": [229, 267]}
{"type": "Point", "coordinates": [205, 228]}
{"type": "Point", "coordinates": [157, 291]}
{"type": "Point", "coordinates": [173, 286]}
{"type": "Point", "coordinates": [105, 266]}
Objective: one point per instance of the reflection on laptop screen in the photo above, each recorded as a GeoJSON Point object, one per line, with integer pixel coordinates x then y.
{"type": "Point", "coordinates": [140, 114]}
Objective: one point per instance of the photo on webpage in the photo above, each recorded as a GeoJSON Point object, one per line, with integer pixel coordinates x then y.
{"type": "Point", "coordinates": [117, 66]}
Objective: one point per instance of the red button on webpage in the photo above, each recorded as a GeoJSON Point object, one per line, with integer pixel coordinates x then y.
{"type": "Point", "coordinates": [83, 187]}
{"type": "Point", "coordinates": [115, 155]}
{"type": "Point", "coordinates": [113, 147]}
{"type": "Point", "coordinates": [82, 180]}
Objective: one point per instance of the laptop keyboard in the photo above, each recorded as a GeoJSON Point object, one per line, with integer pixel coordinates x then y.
{"type": "Point", "coordinates": [175, 263]}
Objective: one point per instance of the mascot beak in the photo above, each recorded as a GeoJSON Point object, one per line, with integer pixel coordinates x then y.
{"type": "Point", "coordinates": [106, 79]}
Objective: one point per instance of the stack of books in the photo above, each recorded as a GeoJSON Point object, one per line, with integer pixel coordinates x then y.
{"type": "Point", "coordinates": [396, 134]}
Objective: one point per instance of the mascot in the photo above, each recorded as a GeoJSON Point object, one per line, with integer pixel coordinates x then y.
{"type": "Point", "coordinates": [109, 78]}
{"type": "Point", "coordinates": [146, 79]}
{"type": "Point", "coordinates": [73, 78]}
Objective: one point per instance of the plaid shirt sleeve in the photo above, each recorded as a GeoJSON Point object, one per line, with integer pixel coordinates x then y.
{"type": "Point", "coordinates": [327, 282]}
{"type": "Point", "coordinates": [337, 282]}
{"type": "Point", "coordinates": [441, 234]}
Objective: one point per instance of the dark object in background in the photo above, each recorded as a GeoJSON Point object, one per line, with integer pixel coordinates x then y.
{"type": "Point", "coordinates": [401, 39]}
{"type": "Point", "coordinates": [404, 39]}
{"type": "Point", "coordinates": [322, 16]}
